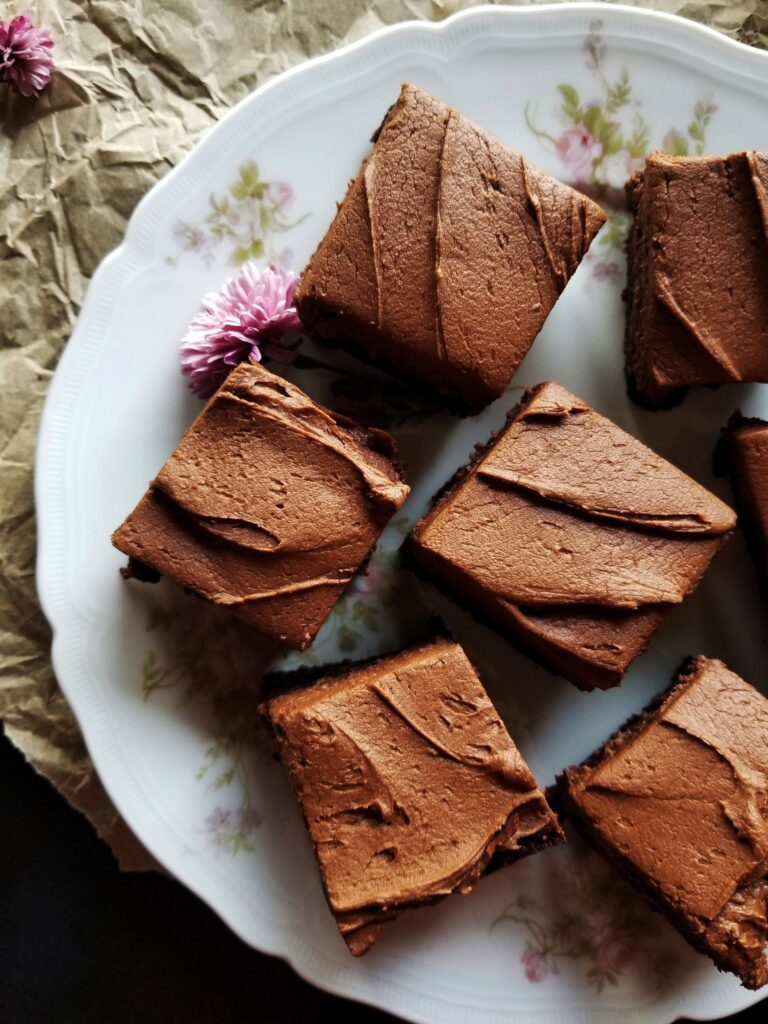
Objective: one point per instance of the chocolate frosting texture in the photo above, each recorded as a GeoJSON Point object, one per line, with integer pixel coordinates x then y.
{"type": "Point", "coordinates": [409, 783]}
{"type": "Point", "coordinates": [747, 444]}
{"type": "Point", "coordinates": [269, 504]}
{"type": "Point", "coordinates": [681, 797]}
{"type": "Point", "coordinates": [572, 536]}
{"type": "Point", "coordinates": [698, 305]}
{"type": "Point", "coordinates": [448, 252]}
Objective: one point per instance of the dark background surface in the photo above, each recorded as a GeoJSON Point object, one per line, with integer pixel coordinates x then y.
{"type": "Point", "coordinates": [83, 943]}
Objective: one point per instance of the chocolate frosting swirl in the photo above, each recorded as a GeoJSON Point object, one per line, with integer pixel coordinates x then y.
{"type": "Point", "coordinates": [698, 309]}
{"type": "Point", "coordinates": [447, 253]}
{"type": "Point", "coordinates": [409, 783]}
{"type": "Point", "coordinates": [681, 798]}
{"type": "Point", "coordinates": [572, 535]}
{"type": "Point", "coordinates": [269, 505]}
{"type": "Point", "coordinates": [746, 441]}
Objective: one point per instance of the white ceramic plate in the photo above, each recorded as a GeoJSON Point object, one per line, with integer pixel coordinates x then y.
{"type": "Point", "coordinates": [162, 687]}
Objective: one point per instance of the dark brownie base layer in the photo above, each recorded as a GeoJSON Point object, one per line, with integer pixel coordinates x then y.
{"type": "Point", "coordinates": [449, 402]}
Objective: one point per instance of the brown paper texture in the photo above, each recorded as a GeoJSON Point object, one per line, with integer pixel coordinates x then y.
{"type": "Point", "coordinates": [136, 86]}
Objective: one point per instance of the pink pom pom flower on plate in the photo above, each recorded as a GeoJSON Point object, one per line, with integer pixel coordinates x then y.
{"type": "Point", "coordinates": [240, 323]}
{"type": "Point", "coordinates": [26, 61]}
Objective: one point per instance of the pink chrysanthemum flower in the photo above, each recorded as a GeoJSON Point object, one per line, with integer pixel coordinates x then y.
{"type": "Point", "coordinates": [26, 61]}
{"type": "Point", "coordinates": [253, 310]}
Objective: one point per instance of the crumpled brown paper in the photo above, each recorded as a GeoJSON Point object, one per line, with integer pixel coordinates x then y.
{"type": "Point", "coordinates": [135, 88]}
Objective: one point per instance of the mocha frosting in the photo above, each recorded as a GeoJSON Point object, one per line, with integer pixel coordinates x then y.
{"type": "Point", "coordinates": [698, 255]}
{"type": "Point", "coordinates": [679, 800]}
{"type": "Point", "coordinates": [447, 254]}
{"type": "Point", "coordinates": [269, 505]}
{"type": "Point", "coordinates": [572, 536]}
{"type": "Point", "coordinates": [409, 784]}
{"type": "Point", "coordinates": [746, 441]}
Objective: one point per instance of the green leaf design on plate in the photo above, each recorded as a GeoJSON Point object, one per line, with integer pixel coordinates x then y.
{"type": "Point", "coordinates": [250, 216]}
{"type": "Point", "coordinates": [202, 656]}
{"type": "Point", "coordinates": [598, 919]}
{"type": "Point", "coordinates": [601, 142]}
{"type": "Point", "coordinates": [571, 107]}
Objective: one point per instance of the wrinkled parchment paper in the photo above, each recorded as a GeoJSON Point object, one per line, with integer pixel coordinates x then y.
{"type": "Point", "coordinates": [136, 86]}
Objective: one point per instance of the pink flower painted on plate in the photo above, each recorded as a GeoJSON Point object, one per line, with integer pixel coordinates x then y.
{"type": "Point", "coordinates": [280, 193]}
{"type": "Point", "coordinates": [284, 257]}
{"type": "Point", "coordinates": [192, 238]}
{"type": "Point", "coordinates": [218, 819]}
{"type": "Point", "coordinates": [238, 324]}
{"type": "Point", "coordinates": [672, 138]}
{"type": "Point", "coordinates": [606, 270]}
{"type": "Point", "coordinates": [578, 149]}
{"type": "Point", "coordinates": [675, 143]}
{"type": "Point", "coordinates": [371, 581]}
{"type": "Point", "coordinates": [603, 140]}
{"type": "Point", "coordinates": [26, 61]}
{"type": "Point", "coordinates": [538, 966]}
{"type": "Point", "coordinates": [245, 819]}
{"type": "Point", "coordinates": [613, 953]}
{"type": "Point", "coordinates": [229, 829]}
{"type": "Point", "coordinates": [596, 921]}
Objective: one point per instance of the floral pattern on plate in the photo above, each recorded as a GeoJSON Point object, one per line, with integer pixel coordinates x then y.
{"type": "Point", "coordinates": [602, 141]}
{"type": "Point", "coordinates": [213, 661]}
{"type": "Point", "coordinates": [245, 221]}
{"type": "Point", "coordinates": [366, 605]}
{"type": "Point", "coordinates": [596, 920]}
{"type": "Point", "coordinates": [378, 588]}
